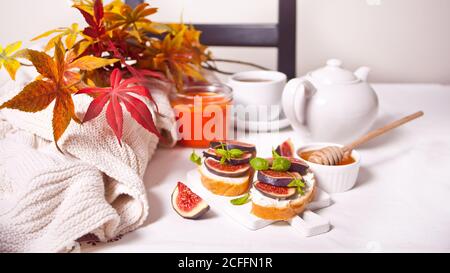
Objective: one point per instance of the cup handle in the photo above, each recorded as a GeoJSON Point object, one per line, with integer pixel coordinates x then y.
{"type": "Point", "coordinates": [293, 101]}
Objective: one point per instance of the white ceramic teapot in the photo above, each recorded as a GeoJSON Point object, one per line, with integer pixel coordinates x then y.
{"type": "Point", "coordinates": [331, 104]}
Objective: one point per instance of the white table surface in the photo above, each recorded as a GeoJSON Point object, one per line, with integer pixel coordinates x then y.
{"type": "Point", "coordinates": [401, 201]}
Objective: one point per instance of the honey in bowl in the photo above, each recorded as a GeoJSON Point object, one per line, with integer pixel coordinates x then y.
{"type": "Point", "coordinates": [346, 160]}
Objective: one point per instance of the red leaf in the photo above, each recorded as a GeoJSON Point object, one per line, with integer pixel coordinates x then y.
{"type": "Point", "coordinates": [89, 18]}
{"type": "Point", "coordinates": [120, 91]}
{"type": "Point", "coordinates": [94, 90]}
{"type": "Point", "coordinates": [96, 107]}
{"type": "Point", "coordinates": [143, 91]}
{"type": "Point", "coordinates": [89, 31]}
{"type": "Point", "coordinates": [98, 10]}
{"type": "Point", "coordinates": [114, 117]}
{"type": "Point", "coordinates": [115, 78]}
{"type": "Point", "coordinates": [96, 28]}
{"type": "Point", "coordinates": [140, 113]}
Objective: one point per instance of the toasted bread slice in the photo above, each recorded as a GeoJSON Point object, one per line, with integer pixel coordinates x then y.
{"type": "Point", "coordinates": [225, 186]}
{"type": "Point", "coordinates": [285, 209]}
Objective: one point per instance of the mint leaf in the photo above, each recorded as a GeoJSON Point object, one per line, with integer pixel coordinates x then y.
{"type": "Point", "coordinates": [222, 160]}
{"type": "Point", "coordinates": [221, 152]}
{"type": "Point", "coordinates": [281, 164]}
{"type": "Point", "coordinates": [259, 164]}
{"type": "Point", "coordinates": [195, 158]}
{"type": "Point", "coordinates": [241, 200]}
{"type": "Point", "coordinates": [299, 184]}
{"type": "Point", "coordinates": [227, 155]}
{"type": "Point", "coordinates": [235, 153]}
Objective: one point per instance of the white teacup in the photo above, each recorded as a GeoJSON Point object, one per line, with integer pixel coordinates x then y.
{"type": "Point", "coordinates": [257, 94]}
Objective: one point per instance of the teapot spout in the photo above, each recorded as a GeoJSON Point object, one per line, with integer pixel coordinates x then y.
{"type": "Point", "coordinates": [362, 73]}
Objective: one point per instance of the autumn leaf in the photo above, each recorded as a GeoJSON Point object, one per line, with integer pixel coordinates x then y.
{"type": "Point", "coordinates": [175, 60]}
{"type": "Point", "coordinates": [90, 63]}
{"type": "Point", "coordinates": [131, 19]}
{"type": "Point", "coordinates": [35, 96]}
{"type": "Point", "coordinates": [71, 34]}
{"type": "Point", "coordinates": [55, 84]}
{"type": "Point", "coordinates": [120, 92]}
{"type": "Point", "coordinates": [63, 113]}
{"type": "Point", "coordinates": [191, 40]}
{"type": "Point", "coordinates": [88, 5]}
{"type": "Point", "coordinates": [8, 59]}
{"type": "Point", "coordinates": [96, 28]}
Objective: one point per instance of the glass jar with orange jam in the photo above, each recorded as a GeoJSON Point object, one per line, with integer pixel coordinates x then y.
{"type": "Point", "coordinates": [203, 113]}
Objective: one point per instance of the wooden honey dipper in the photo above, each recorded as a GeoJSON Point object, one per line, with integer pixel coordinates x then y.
{"type": "Point", "coordinates": [333, 155]}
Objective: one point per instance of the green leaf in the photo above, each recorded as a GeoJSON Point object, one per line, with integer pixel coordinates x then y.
{"type": "Point", "coordinates": [235, 153]}
{"type": "Point", "coordinates": [222, 160]}
{"type": "Point", "coordinates": [299, 184]}
{"type": "Point", "coordinates": [221, 152]}
{"type": "Point", "coordinates": [226, 154]}
{"type": "Point", "coordinates": [259, 164]}
{"type": "Point", "coordinates": [281, 164]}
{"type": "Point", "coordinates": [195, 158]}
{"type": "Point", "coordinates": [241, 200]}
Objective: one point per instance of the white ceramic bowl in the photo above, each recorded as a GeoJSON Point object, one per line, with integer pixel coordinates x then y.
{"type": "Point", "coordinates": [333, 178]}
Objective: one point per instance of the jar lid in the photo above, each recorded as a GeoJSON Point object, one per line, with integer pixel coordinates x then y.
{"type": "Point", "coordinates": [333, 73]}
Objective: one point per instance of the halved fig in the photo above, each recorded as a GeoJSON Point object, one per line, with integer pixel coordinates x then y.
{"type": "Point", "coordinates": [286, 149]}
{"type": "Point", "coordinates": [274, 191]}
{"type": "Point", "coordinates": [277, 178]}
{"type": "Point", "coordinates": [188, 204]}
{"type": "Point", "coordinates": [298, 165]}
{"type": "Point", "coordinates": [245, 158]}
{"type": "Point", "coordinates": [233, 144]}
{"type": "Point", "coordinates": [226, 170]}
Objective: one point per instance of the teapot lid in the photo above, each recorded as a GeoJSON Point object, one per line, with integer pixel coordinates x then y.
{"type": "Point", "coordinates": [333, 73]}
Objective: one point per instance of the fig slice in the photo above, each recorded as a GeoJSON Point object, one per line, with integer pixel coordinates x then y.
{"type": "Point", "coordinates": [286, 149]}
{"type": "Point", "coordinates": [277, 178]}
{"type": "Point", "coordinates": [226, 170]}
{"type": "Point", "coordinates": [298, 165]}
{"type": "Point", "coordinates": [245, 158]}
{"type": "Point", "coordinates": [274, 191]}
{"type": "Point", "coordinates": [233, 144]}
{"type": "Point", "coordinates": [188, 204]}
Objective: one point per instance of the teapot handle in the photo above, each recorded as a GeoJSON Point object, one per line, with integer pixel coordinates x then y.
{"type": "Point", "coordinates": [293, 101]}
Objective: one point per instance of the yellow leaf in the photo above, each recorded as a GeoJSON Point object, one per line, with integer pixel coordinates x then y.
{"type": "Point", "coordinates": [11, 66]}
{"type": "Point", "coordinates": [114, 6]}
{"type": "Point", "coordinates": [72, 35]}
{"type": "Point", "coordinates": [35, 97]}
{"type": "Point", "coordinates": [77, 50]}
{"type": "Point", "coordinates": [51, 43]}
{"type": "Point", "coordinates": [8, 59]}
{"type": "Point", "coordinates": [12, 48]}
{"type": "Point", "coordinates": [156, 28]}
{"type": "Point", "coordinates": [194, 73]}
{"type": "Point", "coordinates": [47, 33]}
{"type": "Point", "coordinates": [91, 63]}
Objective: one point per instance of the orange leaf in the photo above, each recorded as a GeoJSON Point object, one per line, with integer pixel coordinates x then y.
{"type": "Point", "coordinates": [60, 53]}
{"type": "Point", "coordinates": [62, 114]}
{"type": "Point", "coordinates": [35, 97]}
{"type": "Point", "coordinates": [43, 63]}
{"type": "Point", "coordinates": [91, 62]}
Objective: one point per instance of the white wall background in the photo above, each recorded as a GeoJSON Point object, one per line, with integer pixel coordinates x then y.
{"type": "Point", "coordinates": [402, 40]}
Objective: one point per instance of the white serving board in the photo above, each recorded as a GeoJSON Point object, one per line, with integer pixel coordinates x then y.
{"type": "Point", "coordinates": [309, 224]}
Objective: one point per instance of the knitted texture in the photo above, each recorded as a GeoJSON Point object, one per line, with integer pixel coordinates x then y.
{"type": "Point", "coordinates": [48, 200]}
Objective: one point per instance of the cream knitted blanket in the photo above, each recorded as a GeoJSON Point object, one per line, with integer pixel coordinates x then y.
{"type": "Point", "coordinates": [48, 200]}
